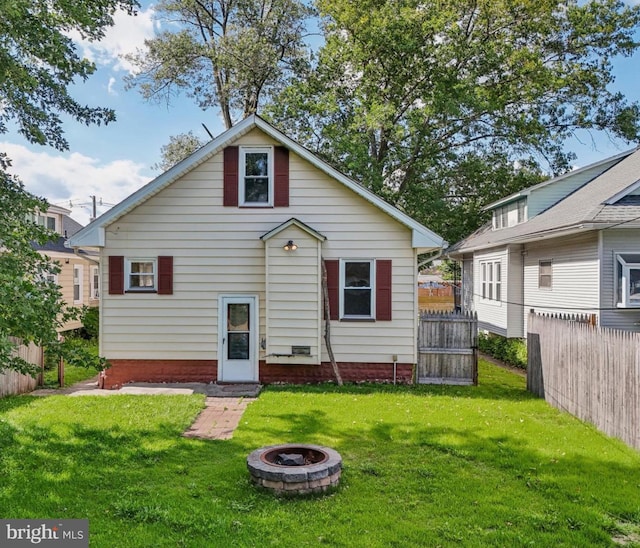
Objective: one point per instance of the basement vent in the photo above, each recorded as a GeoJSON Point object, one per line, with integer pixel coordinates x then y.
{"type": "Point", "coordinates": [301, 350]}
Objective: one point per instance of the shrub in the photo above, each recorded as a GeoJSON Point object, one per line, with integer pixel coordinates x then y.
{"type": "Point", "coordinates": [91, 322]}
{"type": "Point", "coordinates": [511, 351]}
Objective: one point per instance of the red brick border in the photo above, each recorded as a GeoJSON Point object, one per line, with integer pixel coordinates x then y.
{"type": "Point", "coordinates": [124, 371]}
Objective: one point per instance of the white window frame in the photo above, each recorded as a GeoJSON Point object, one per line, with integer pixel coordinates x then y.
{"type": "Point", "coordinates": [128, 274]}
{"type": "Point", "coordinates": [541, 264]}
{"type": "Point", "coordinates": [491, 280]}
{"type": "Point", "coordinates": [241, 174]}
{"type": "Point", "coordinates": [521, 207]}
{"type": "Point", "coordinates": [43, 219]}
{"type": "Point", "coordinates": [622, 295]}
{"type": "Point", "coordinates": [95, 275]}
{"type": "Point", "coordinates": [371, 288]}
{"type": "Point", "coordinates": [77, 281]}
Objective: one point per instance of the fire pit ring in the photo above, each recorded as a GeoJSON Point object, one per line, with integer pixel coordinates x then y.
{"type": "Point", "coordinates": [295, 469]}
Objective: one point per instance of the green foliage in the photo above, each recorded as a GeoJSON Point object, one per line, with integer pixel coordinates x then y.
{"type": "Point", "coordinates": [511, 351]}
{"type": "Point", "coordinates": [91, 322]}
{"type": "Point", "coordinates": [177, 149]}
{"type": "Point", "coordinates": [485, 465]}
{"type": "Point", "coordinates": [450, 270]}
{"type": "Point", "coordinates": [39, 61]}
{"type": "Point", "coordinates": [443, 107]}
{"type": "Point", "coordinates": [225, 53]}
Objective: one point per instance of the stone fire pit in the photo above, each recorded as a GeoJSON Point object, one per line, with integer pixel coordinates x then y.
{"type": "Point", "coordinates": [295, 469]}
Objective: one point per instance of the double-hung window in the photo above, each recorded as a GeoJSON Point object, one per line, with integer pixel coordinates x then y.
{"type": "Point", "coordinates": [95, 283]}
{"type": "Point", "coordinates": [545, 274]}
{"type": "Point", "coordinates": [77, 283]}
{"type": "Point", "coordinates": [491, 280]}
{"type": "Point", "coordinates": [256, 176]}
{"type": "Point", "coordinates": [627, 267]}
{"type": "Point", "coordinates": [141, 275]}
{"type": "Point", "coordinates": [357, 289]}
{"type": "Point", "coordinates": [47, 221]}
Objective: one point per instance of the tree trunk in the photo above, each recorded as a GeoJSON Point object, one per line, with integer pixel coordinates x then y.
{"type": "Point", "coordinates": [327, 325]}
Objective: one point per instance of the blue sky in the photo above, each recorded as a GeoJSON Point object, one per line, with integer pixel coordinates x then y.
{"type": "Point", "coordinates": [113, 161]}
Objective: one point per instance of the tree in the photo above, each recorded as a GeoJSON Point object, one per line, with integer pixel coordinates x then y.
{"type": "Point", "coordinates": [443, 107]}
{"type": "Point", "coordinates": [38, 63]}
{"type": "Point", "coordinates": [224, 53]}
{"type": "Point", "coordinates": [178, 148]}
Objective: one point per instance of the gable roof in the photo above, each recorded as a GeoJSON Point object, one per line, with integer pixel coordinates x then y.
{"type": "Point", "coordinates": [597, 168]}
{"type": "Point", "coordinates": [590, 207]}
{"type": "Point", "coordinates": [293, 222]}
{"type": "Point", "coordinates": [93, 234]}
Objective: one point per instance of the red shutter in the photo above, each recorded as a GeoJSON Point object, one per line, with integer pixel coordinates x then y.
{"type": "Point", "coordinates": [116, 275]}
{"type": "Point", "coordinates": [165, 275]}
{"type": "Point", "coordinates": [281, 177]}
{"type": "Point", "coordinates": [383, 290]}
{"type": "Point", "coordinates": [333, 288]}
{"type": "Point", "coordinates": [230, 177]}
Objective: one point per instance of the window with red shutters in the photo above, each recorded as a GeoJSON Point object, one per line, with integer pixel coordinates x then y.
{"type": "Point", "coordinates": [383, 290]}
{"type": "Point", "coordinates": [230, 177]}
{"type": "Point", "coordinates": [116, 275]}
{"type": "Point", "coordinates": [165, 275]}
{"type": "Point", "coordinates": [333, 287]}
{"type": "Point", "coordinates": [281, 176]}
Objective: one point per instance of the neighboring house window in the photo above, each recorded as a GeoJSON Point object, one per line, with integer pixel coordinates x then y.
{"type": "Point", "coordinates": [77, 283]}
{"type": "Point", "coordinates": [628, 280]}
{"type": "Point", "coordinates": [47, 221]}
{"type": "Point", "coordinates": [256, 176]}
{"type": "Point", "coordinates": [357, 289]}
{"type": "Point", "coordinates": [522, 217]}
{"type": "Point", "coordinates": [95, 282]}
{"type": "Point", "coordinates": [141, 275]}
{"type": "Point", "coordinates": [545, 278]}
{"type": "Point", "coordinates": [491, 280]}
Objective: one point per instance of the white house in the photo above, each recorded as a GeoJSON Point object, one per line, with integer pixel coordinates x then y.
{"type": "Point", "coordinates": [212, 271]}
{"type": "Point", "coordinates": [567, 245]}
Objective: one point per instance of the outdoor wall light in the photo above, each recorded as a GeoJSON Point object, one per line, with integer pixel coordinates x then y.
{"type": "Point", "coordinates": [290, 246]}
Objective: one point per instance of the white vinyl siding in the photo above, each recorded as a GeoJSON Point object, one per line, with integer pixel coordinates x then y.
{"type": "Point", "coordinates": [616, 241]}
{"type": "Point", "coordinates": [218, 250]}
{"type": "Point", "coordinates": [575, 275]}
{"type": "Point", "coordinates": [492, 313]}
{"type": "Point", "coordinates": [294, 301]}
{"type": "Point", "coordinates": [544, 197]}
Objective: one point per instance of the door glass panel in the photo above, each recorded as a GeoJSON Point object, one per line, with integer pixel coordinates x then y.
{"type": "Point", "coordinates": [238, 348]}
{"type": "Point", "coordinates": [238, 317]}
{"type": "Point", "coordinates": [238, 331]}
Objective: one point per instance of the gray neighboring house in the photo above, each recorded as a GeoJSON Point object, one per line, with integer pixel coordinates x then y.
{"type": "Point", "coordinates": [567, 245]}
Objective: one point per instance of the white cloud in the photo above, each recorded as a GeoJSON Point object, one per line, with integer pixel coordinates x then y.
{"type": "Point", "coordinates": [75, 178]}
{"type": "Point", "coordinates": [127, 34]}
{"type": "Point", "coordinates": [110, 86]}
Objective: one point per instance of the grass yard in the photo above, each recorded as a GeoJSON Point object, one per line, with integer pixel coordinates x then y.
{"type": "Point", "coordinates": [423, 466]}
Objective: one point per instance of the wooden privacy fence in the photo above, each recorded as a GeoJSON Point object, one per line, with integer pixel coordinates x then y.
{"type": "Point", "coordinates": [591, 372]}
{"type": "Point", "coordinates": [12, 382]}
{"type": "Point", "coordinates": [447, 348]}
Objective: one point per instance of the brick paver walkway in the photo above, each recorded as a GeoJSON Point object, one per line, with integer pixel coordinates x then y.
{"type": "Point", "coordinates": [218, 419]}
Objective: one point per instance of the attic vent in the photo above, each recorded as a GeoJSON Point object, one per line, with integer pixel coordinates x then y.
{"type": "Point", "coordinates": [301, 350]}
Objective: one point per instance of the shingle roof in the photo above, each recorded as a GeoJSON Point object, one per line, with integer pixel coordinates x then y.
{"type": "Point", "coordinates": [584, 209]}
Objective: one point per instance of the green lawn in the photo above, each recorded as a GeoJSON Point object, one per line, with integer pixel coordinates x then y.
{"type": "Point", "coordinates": [423, 466]}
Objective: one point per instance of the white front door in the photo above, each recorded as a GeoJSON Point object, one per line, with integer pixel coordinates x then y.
{"type": "Point", "coordinates": [238, 337]}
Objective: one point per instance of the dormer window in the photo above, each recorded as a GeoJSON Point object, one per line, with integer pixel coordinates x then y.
{"type": "Point", "coordinates": [256, 176]}
{"type": "Point", "coordinates": [510, 214]}
{"type": "Point", "coordinates": [48, 221]}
